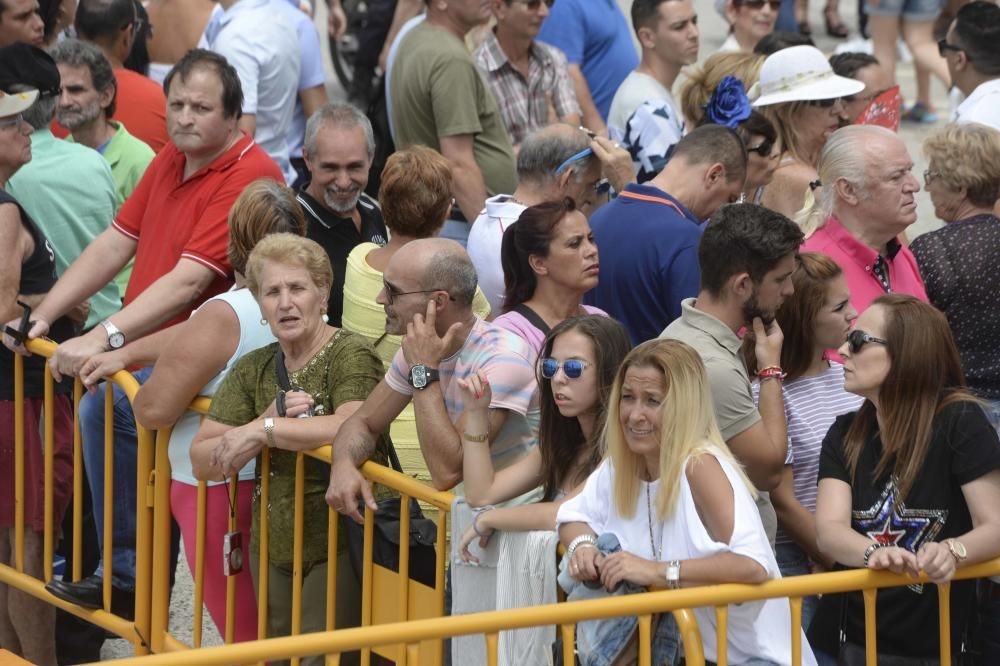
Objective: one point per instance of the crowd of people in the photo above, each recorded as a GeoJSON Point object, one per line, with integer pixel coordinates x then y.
{"type": "Point", "coordinates": [689, 337]}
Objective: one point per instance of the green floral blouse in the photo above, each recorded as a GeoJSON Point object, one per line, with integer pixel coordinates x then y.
{"type": "Point", "coordinates": [344, 370]}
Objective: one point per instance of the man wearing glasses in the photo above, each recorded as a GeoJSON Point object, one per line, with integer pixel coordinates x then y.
{"type": "Point", "coordinates": [972, 51]}
{"type": "Point", "coordinates": [427, 297]}
{"type": "Point", "coordinates": [111, 26]}
{"type": "Point", "coordinates": [528, 78]}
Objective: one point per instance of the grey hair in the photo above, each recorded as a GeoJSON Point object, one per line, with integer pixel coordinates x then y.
{"type": "Point", "coordinates": [345, 116]}
{"type": "Point", "coordinates": [452, 271]}
{"type": "Point", "coordinates": [38, 115]}
{"type": "Point", "coordinates": [542, 152]}
{"type": "Point", "coordinates": [844, 157]}
{"type": "Point", "coordinates": [77, 53]}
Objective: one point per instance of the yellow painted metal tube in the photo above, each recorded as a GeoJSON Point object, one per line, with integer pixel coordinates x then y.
{"type": "Point", "coordinates": [77, 483]}
{"type": "Point", "coordinates": [569, 642]}
{"type": "Point", "coordinates": [871, 646]}
{"type": "Point", "coordinates": [49, 481]}
{"type": "Point", "coordinates": [492, 648]}
{"type": "Point", "coordinates": [332, 533]}
{"type": "Point", "coordinates": [19, 462]}
{"type": "Point", "coordinates": [264, 539]}
{"type": "Point", "coordinates": [160, 612]}
{"type": "Point", "coordinates": [367, 579]}
{"type": "Point", "coordinates": [442, 556]}
{"type": "Point", "coordinates": [230, 629]}
{"type": "Point", "coordinates": [199, 563]}
{"type": "Point", "coordinates": [795, 605]}
{"type": "Point", "coordinates": [109, 490]}
{"type": "Point", "coordinates": [687, 624]}
{"type": "Point", "coordinates": [721, 629]}
{"type": "Point", "coordinates": [403, 599]}
{"type": "Point", "coordinates": [144, 534]}
{"type": "Point", "coordinates": [297, 543]}
{"type": "Point", "coordinates": [413, 654]}
{"type": "Point", "coordinates": [645, 639]}
{"type": "Point", "coordinates": [944, 622]}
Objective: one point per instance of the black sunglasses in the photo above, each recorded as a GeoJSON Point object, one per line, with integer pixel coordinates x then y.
{"type": "Point", "coordinates": [533, 5]}
{"type": "Point", "coordinates": [573, 367]}
{"type": "Point", "coordinates": [759, 4]}
{"type": "Point", "coordinates": [392, 294]}
{"type": "Point", "coordinates": [944, 47]}
{"type": "Point", "coordinates": [763, 149]}
{"type": "Point", "coordinates": [822, 103]}
{"type": "Point", "coordinates": [857, 339]}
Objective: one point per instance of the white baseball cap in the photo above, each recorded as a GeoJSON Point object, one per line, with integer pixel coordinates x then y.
{"type": "Point", "coordinates": [799, 74]}
{"type": "Point", "coordinates": [14, 103]}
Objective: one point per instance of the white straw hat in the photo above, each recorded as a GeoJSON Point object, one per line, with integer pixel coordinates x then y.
{"type": "Point", "coordinates": [12, 103]}
{"type": "Point", "coordinates": [799, 74]}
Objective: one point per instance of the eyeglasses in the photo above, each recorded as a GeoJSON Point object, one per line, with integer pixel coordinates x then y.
{"type": "Point", "coordinates": [944, 47]}
{"type": "Point", "coordinates": [602, 187]}
{"type": "Point", "coordinates": [930, 175]}
{"type": "Point", "coordinates": [775, 5]}
{"type": "Point", "coordinates": [763, 149]}
{"type": "Point", "coordinates": [392, 294]}
{"type": "Point", "coordinates": [533, 5]}
{"type": "Point", "coordinates": [857, 339]}
{"type": "Point", "coordinates": [14, 121]}
{"type": "Point", "coordinates": [586, 152]}
{"type": "Point", "coordinates": [571, 367]}
{"type": "Point", "coordinates": [822, 103]}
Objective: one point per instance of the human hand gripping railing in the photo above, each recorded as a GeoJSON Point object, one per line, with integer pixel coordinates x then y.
{"type": "Point", "coordinates": [136, 631]}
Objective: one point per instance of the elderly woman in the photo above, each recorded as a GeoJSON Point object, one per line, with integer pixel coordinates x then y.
{"type": "Point", "coordinates": [909, 483]}
{"type": "Point", "coordinates": [27, 625]}
{"type": "Point", "coordinates": [329, 374]}
{"type": "Point", "coordinates": [800, 95]}
{"type": "Point", "coordinates": [185, 367]}
{"type": "Point", "coordinates": [415, 196]}
{"type": "Point", "coordinates": [549, 262]}
{"type": "Point", "coordinates": [749, 20]}
{"type": "Point", "coordinates": [669, 505]}
{"type": "Point", "coordinates": [963, 179]}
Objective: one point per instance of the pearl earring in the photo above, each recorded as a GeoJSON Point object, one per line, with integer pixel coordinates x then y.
{"type": "Point", "coordinates": [263, 322]}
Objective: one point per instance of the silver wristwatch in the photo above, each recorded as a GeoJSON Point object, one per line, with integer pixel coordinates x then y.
{"type": "Point", "coordinates": [116, 339]}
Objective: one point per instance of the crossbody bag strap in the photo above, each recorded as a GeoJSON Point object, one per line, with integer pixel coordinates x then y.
{"type": "Point", "coordinates": [533, 318]}
{"type": "Point", "coordinates": [281, 371]}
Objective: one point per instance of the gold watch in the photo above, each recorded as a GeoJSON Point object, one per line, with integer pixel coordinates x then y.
{"type": "Point", "coordinates": [958, 550]}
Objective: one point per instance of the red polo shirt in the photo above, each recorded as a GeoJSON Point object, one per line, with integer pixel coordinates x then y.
{"type": "Point", "coordinates": [172, 218]}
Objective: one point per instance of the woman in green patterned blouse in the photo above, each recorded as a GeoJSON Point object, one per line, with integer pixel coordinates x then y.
{"type": "Point", "coordinates": [331, 372]}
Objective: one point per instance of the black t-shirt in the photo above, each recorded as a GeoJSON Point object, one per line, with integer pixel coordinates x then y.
{"type": "Point", "coordinates": [38, 275]}
{"type": "Point", "coordinates": [963, 448]}
{"type": "Point", "coordinates": [339, 236]}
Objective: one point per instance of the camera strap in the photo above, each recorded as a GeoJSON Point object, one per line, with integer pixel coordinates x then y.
{"type": "Point", "coordinates": [229, 497]}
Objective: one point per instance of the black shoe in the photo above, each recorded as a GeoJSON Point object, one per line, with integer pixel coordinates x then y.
{"type": "Point", "coordinates": [87, 592]}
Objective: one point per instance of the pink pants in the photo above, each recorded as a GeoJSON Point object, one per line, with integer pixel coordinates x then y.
{"type": "Point", "coordinates": [184, 505]}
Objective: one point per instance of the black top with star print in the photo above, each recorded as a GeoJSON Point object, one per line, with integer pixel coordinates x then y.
{"type": "Point", "coordinates": [963, 448]}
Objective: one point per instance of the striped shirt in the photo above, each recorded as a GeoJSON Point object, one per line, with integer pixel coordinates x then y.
{"type": "Point", "coordinates": [503, 357]}
{"type": "Point", "coordinates": [811, 406]}
{"type": "Point", "coordinates": [524, 103]}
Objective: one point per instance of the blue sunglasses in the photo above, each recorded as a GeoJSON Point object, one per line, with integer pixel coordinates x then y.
{"type": "Point", "coordinates": [572, 367]}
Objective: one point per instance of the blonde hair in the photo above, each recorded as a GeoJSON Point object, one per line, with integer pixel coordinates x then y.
{"type": "Point", "coordinates": [844, 157]}
{"type": "Point", "coordinates": [687, 425]}
{"type": "Point", "coordinates": [702, 81]}
{"type": "Point", "coordinates": [289, 249]}
{"type": "Point", "coordinates": [967, 155]}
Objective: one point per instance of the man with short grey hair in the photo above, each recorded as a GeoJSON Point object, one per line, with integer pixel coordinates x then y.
{"type": "Point", "coordinates": [338, 151]}
{"type": "Point", "coordinates": [555, 162]}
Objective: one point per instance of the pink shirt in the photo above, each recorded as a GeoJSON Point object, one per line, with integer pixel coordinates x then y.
{"type": "Point", "coordinates": [516, 323]}
{"type": "Point", "coordinates": [857, 260]}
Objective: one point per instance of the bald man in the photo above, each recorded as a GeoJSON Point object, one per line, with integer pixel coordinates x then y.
{"type": "Point", "coordinates": [427, 298]}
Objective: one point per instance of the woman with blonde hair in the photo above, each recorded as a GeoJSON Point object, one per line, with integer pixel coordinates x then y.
{"type": "Point", "coordinates": [670, 504]}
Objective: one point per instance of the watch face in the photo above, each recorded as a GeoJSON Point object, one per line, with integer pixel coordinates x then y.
{"type": "Point", "coordinates": [418, 376]}
{"type": "Point", "coordinates": [116, 340]}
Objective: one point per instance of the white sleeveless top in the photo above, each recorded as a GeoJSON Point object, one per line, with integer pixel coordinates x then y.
{"type": "Point", "coordinates": [253, 335]}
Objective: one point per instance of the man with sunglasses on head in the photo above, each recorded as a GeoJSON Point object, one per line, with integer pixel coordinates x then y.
{"type": "Point", "coordinates": [972, 51]}
{"type": "Point", "coordinates": [644, 115]}
{"type": "Point", "coordinates": [746, 256]}
{"type": "Point", "coordinates": [112, 26]}
{"type": "Point", "coordinates": [528, 78]}
{"type": "Point", "coordinates": [427, 297]}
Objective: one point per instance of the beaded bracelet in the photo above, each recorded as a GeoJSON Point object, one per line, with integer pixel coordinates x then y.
{"type": "Point", "coordinates": [475, 520]}
{"type": "Point", "coordinates": [772, 372]}
{"type": "Point", "coordinates": [875, 545]}
{"type": "Point", "coordinates": [582, 540]}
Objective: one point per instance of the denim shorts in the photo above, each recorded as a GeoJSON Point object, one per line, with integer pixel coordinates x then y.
{"type": "Point", "coordinates": [913, 10]}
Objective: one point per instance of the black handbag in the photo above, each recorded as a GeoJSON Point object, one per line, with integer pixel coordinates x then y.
{"type": "Point", "coordinates": [385, 545]}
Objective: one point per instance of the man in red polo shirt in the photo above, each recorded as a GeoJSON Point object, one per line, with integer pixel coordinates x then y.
{"type": "Point", "coordinates": [174, 224]}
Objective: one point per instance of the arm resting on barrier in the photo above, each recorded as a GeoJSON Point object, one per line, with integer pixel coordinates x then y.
{"type": "Point", "coordinates": [143, 352]}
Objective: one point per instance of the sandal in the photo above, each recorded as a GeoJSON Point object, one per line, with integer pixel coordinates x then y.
{"type": "Point", "coordinates": [835, 28]}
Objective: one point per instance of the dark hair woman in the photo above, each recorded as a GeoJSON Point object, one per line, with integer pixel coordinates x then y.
{"type": "Point", "coordinates": [579, 360]}
{"type": "Point", "coordinates": [910, 482]}
{"type": "Point", "coordinates": [549, 262]}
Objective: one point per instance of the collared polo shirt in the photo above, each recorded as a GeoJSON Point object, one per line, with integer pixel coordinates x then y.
{"type": "Point", "coordinates": [258, 39]}
{"type": "Point", "coordinates": [523, 102]}
{"type": "Point", "coordinates": [172, 218]}
{"type": "Point", "coordinates": [857, 260]}
{"type": "Point", "coordinates": [982, 106]}
{"type": "Point", "coordinates": [735, 409]}
{"type": "Point", "coordinates": [648, 243]}
{"type": "Point", "coordinates": [338, 236]}
{"type": "Point", "coordinates": [69, 191]}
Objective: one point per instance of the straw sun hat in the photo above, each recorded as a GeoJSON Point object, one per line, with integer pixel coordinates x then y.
{"type": "Point", "coordinates": [799, 74]}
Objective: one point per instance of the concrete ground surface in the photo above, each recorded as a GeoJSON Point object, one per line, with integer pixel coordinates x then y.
{"type": "Point", "coordinates": [713, 32]}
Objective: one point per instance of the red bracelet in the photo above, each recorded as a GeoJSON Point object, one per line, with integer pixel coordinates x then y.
{"type": "Point", "coordinates": [771, 372]}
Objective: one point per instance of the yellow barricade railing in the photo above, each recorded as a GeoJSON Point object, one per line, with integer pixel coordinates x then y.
{"type": "Point", "coordinates": [414, 634]}
{"type": "Point", "coordinates": [136, 631]}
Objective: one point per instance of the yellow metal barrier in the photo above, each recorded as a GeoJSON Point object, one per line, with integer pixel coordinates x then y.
{"type": "Point", "coordinates": [136, 631]}
{"type": "Point", "coordinates": [413, 634]}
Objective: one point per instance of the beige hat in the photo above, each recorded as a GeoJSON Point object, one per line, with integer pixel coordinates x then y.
{"type": "Point", "coordinates": [799, 74]}
{"type": "Point", "coordinates": [14, 103]}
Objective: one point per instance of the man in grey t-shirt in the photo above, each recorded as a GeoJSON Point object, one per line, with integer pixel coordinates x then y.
{"type": "Point", "coordinates": [746, 255]}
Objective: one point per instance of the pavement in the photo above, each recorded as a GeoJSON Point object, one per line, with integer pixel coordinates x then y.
{"type": "Point", "coordinates": [713, 33]}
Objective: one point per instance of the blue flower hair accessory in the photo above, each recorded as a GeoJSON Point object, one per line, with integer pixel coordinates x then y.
{"type": "Point", "coordinates": [729, 105]}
